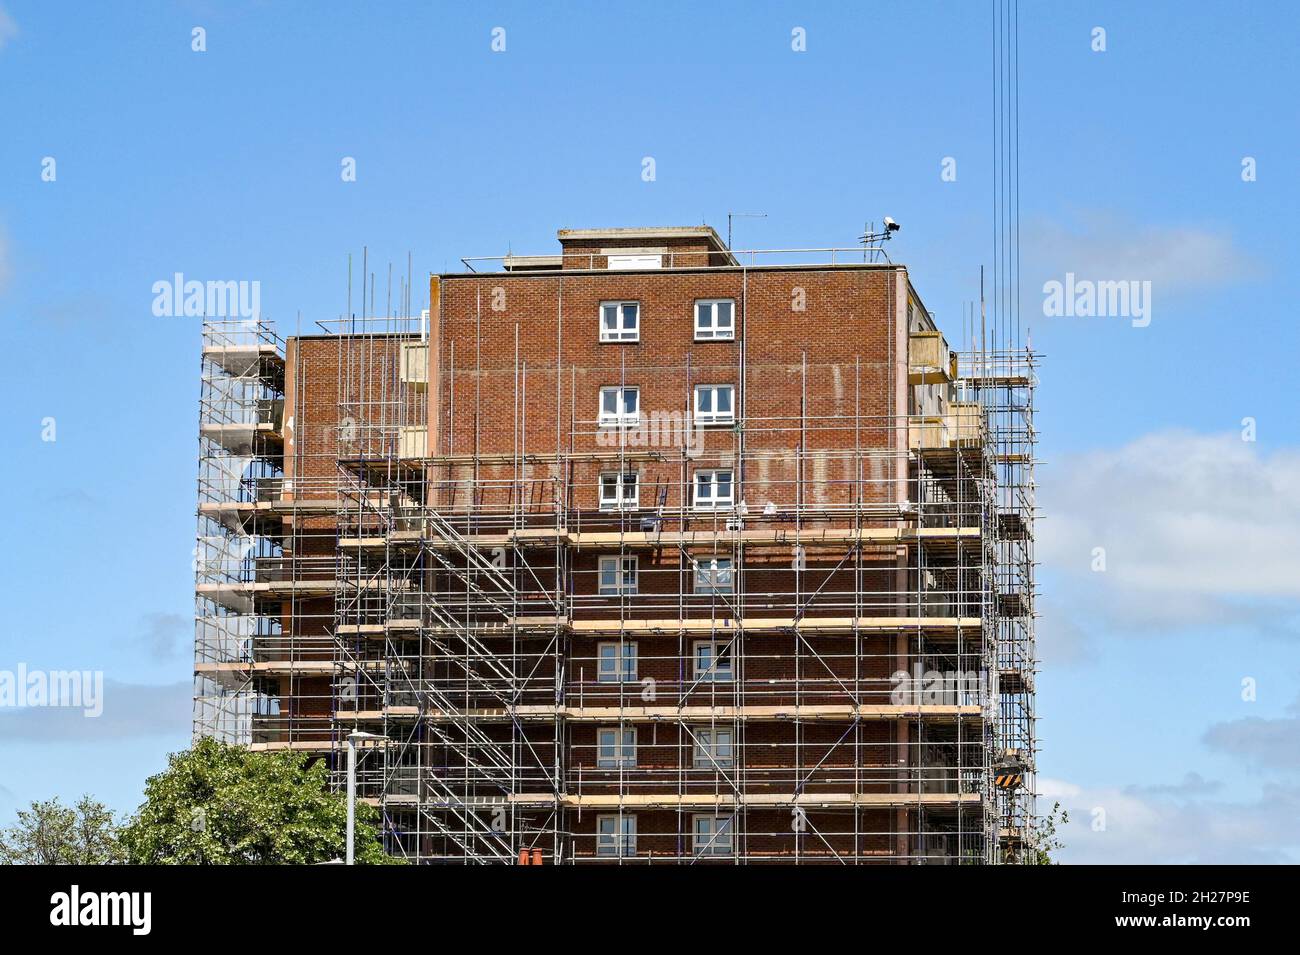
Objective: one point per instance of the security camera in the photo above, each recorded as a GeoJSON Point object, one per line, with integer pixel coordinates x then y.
{"type": "Point", "coordinates": [891, 225]}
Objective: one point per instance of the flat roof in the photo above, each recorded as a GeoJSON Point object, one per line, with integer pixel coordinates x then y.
{"type": "Point", "coordinates": [645, 232]}
{"type": "Point", "coordinates": [730, 266]}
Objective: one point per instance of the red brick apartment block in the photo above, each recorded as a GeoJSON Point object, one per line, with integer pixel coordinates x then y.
{"type": "Point", "coordinates": [645, 552]}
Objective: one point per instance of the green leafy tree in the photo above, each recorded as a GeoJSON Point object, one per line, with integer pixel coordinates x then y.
{"type": "Point", "coordinates": [224, 805]}
{"type": "Point", "coordinates": [50, 833]}
{"type": "Point", "coordinates": [1046, 840]}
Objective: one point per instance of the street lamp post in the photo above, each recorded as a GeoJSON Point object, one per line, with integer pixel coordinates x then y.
{"type": "Point", "coordinates": [353, 737]}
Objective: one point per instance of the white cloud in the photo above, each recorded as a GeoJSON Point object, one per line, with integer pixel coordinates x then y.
{"type": "Point", "coordinates": [1155, 826]}
{"type": "Point", "coordinates": [1103, 246]}
{"type": "Point", "coordinates": [1193, 784]}
{"type": "Point", "coordinates": [1197, 529]}
{"type": "Point", "coordinates": [1268, 744]}
{"type": "Point", "coordinates": [130, 710]}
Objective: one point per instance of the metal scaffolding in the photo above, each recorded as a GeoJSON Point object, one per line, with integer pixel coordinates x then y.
{"type": "Point", "coordinates": [566, 664]}
{"type": "Point", "coordinates": [241, 454]}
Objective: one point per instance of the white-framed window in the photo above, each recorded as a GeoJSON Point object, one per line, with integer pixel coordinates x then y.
{"type": "Point", "coordinates": [713, 661]}
{"type": "Point", "coordinates": [616, 835]}
{"type": "Point", "coordinates": [617, 576]}
{"type": "Point", "coordinates": [713, 489]}
{"type": "Point", "coordinates": [618, 491]}
{"type": "Point", "coordinates": [616, 662]}
{"type": "Point", "coordinates": [713, 575]}
{"type": "Point", "coordinates": [715, 320]}
{"type": "Point", "coordinates": [620, 321]}
{"type": "Point", "coordinates": [615, 746]}
{"type": "Point", "coordinates": [619, 405]}
{"type": "Point", "coordinates": [714, 835]}
{"type": "Point", "coordinates": [713, 747]}
{"type": "Point", "coordinates": [715, 404]}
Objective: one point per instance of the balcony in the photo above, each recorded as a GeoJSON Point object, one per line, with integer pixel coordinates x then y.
{"type": "Point", "coordinates": [244, 359]}
{"type": "Point", "coordinates": [966, 423]}
{"type": "Point", "coordinates": [415, 364]}
{"type": "Point", "coordinates": [927, 433]}
{"type": "Point", "coordinates": [962, 427]}
{"type": "Point", "coordinates": [413, 442]}
{"type": "Point", "coordinates": [929, 362]}
{"type": "Point", "coordinates": [250, 429]}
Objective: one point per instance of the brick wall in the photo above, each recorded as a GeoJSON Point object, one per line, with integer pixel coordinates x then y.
{"type": "Point", "coordinates": [516, 368]}
{"type": "Point", "coordinates": [505, 339]}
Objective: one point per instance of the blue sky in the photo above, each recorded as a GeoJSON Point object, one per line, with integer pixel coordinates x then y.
{"type": "Point", "coordinates": [226, 164]}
